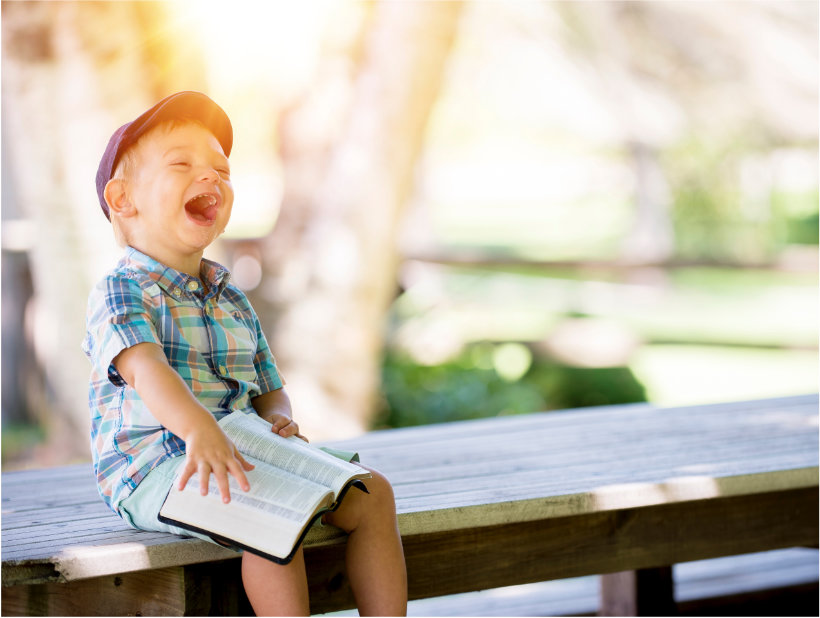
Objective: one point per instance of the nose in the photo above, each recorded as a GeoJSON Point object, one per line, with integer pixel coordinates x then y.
{"type": "Point", "coordinates": [209, 175]}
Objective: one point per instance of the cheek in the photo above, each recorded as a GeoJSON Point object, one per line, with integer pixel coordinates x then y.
{"type": "Point", "coordinates": [226, 215]}
{"type": "Point", "coordinates": [227, 201]}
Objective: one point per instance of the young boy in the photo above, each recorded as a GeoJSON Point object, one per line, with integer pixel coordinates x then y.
{"type": "Point", "coordinates": [174, 347]}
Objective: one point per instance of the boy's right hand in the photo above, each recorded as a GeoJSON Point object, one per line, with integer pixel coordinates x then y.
{"type": "Point", "coordinates": [145, 368]}
{"type": "Point", "coordinates": [210, 451]}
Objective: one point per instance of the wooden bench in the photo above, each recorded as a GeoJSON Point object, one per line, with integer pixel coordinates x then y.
{"type": "Point", "coordinates": [625, 491]}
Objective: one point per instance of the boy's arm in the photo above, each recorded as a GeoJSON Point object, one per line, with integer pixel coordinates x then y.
{"type": "Point", "coordinates": [274, 407]}
{"type": "Point", "coordinates": [145, 368]}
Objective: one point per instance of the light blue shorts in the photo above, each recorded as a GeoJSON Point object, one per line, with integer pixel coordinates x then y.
{"type": "Point", "coordinates": [141, 508]}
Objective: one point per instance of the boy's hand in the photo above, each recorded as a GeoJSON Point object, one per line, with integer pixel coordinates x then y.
{"type": "Point", "coordinates": [209, 451]}
{"type": "Point", "coordinates": [145, 367]}
{"type": "Point", "coordinates": [274, 407]}
{"type": "Point", "coordinates": [284, 426]}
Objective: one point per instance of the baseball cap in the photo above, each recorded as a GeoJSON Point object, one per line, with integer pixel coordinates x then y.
{"type": "Point", "coordinates": [186, 105]}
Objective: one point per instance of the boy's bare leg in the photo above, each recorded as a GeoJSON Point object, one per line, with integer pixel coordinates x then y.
{"type": "Point", "coordinates": [276, 589]}
{"type": "Point", "coordinates": [375, 558]}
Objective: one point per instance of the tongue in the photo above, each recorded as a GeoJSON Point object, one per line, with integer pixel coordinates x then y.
{"type": "Point", "coordinates": [202, 208]}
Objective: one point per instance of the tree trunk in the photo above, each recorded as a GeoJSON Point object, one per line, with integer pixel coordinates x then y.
{"type": "Point", "coordinates": [332, 260]}
{"type": "Point", "coordinates": [72, 71]}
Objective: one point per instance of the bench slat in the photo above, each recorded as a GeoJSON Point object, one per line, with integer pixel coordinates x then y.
{"type": "Point", "coordinates": [584, 420]}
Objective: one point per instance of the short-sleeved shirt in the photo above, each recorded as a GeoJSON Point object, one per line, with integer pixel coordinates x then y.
{"type": "Point", "coordinates": [211, 337]}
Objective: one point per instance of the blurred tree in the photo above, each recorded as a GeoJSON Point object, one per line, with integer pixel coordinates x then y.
{"type": "Point", "coordinates": [71, 70]}
{"type": "Point", "coordinates": [734, 76]}
{"type": "Point", "coordinates": [330, 264]}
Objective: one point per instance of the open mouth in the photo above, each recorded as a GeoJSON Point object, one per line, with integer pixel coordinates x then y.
{"type": "Point", "coordinates": [203, 208]}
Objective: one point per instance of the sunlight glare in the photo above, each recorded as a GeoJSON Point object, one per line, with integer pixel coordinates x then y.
{"type": "Point", "coordinates": [259, 58]}
{"type": "Point", "coordinates": [246, 41]}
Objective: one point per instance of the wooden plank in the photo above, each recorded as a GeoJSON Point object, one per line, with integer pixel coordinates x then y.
{"type": "Point", "coordinates": [59, 474]}
{"type": "Point", "coordinates": [560, 468]}
{"type": "Point", "coordinates": [586, 420]}
{"type": "Point", "coordinates": [699, 586]}
{"type": "Point", "coordinates": [459, 561]}
{"type": "Point", "coordinates": [489, 508]}
{"type": "Point", "coordinates": [159, 592]}
{"type": "Point", "coordinates": [789, 572]}
{"type": "Point", "coordinates": [655, 419]}
{"type": "Point", "coordinates": [69, 530]}
{"type": "Point", "coordinates": [560, 480]}
{"type": "Point", "coordinates": [427, 492]}
{"type": "Point", "coordinates": [688, 486]}
{"type": "Point", "coordinates": [672, 451]}
{"type": "Point", "coordinates": [611, 437]}
{"type": "Point", "coordinates": [558, 473]}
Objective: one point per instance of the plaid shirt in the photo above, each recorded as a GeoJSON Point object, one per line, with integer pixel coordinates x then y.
{"type": "Point", "coordinates": [211, 337]}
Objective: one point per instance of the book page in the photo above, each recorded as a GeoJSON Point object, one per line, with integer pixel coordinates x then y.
{"type": "Point", "coordinates": [291, 483]}
{"type": "Point", "coordinates": [249, 517]}
{"type": "Point", "coordinates": [252, 435]}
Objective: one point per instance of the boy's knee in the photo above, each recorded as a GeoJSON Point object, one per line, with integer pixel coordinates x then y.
{"type": "Point", "coordinates": [357, 507]}
{"type": "Point", "coordinates": [380, 490]}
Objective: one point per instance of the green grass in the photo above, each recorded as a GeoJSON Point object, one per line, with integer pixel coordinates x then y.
{"type": "Point", "coordinates": [704, 334]}
{"type": "Point", "coordinates": [688, 374]}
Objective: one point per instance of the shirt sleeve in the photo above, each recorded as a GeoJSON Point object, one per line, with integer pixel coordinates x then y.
{"type": "Point", "coordinates": [118, 317]}
{"type": "Point", "coordinates": [268, 376]}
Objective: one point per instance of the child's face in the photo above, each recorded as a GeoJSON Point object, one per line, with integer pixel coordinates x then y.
{"type": "Point", "coordinates": [181, 191]}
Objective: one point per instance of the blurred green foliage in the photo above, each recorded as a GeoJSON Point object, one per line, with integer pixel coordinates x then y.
{"type": "Point", "coordinates": [793, 228]}
{"type": "Point", "coordinates": [470, 386]}
{"type": "Point", "coordinates": [728, 204]}
{"type": "Point", "coordinates": [19, 438]}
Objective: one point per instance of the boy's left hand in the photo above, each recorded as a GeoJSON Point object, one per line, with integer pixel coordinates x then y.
{"type": "Point", "coordinates": [274, 407]}
{"type": "Point", "coordinates": [284, 426]}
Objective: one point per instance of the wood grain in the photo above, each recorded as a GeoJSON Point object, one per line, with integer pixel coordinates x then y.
{"type": "Point", "coordinates": [557, 548]}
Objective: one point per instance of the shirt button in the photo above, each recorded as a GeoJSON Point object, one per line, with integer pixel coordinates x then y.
{"type": "Point", "coordinates": [223, 370]}
{"type": "Point", "coordinates": [177, 292]}
{"type": "Point", "coordinates": [193, 286]}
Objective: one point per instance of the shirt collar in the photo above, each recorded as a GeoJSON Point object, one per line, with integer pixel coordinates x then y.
{"type": "Point", "coordinates": [174, 282]}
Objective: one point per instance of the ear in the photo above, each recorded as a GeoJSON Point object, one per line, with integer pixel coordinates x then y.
{"type": "Point", "coordinates": [116, 197]}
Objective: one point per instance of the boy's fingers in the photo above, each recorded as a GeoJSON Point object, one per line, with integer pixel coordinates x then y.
{"type": "Point", "coordinates": [204, 477]}
{"type": "Point", "coordinates": [222, 483]}
{"type": "Point", "coordinates": [288, 428]}
{"type": "Point", "coordinates": [239, 474]}
{"type": "Point", "coordinates": [283, 423]}
{"type": "Point", "coordinates": [187, 473]}
{"type": "Point", "coordinates": [246, 465]}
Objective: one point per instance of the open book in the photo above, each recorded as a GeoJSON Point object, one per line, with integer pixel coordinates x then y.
{"type": "Point", "coordinates": [292, 485]}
